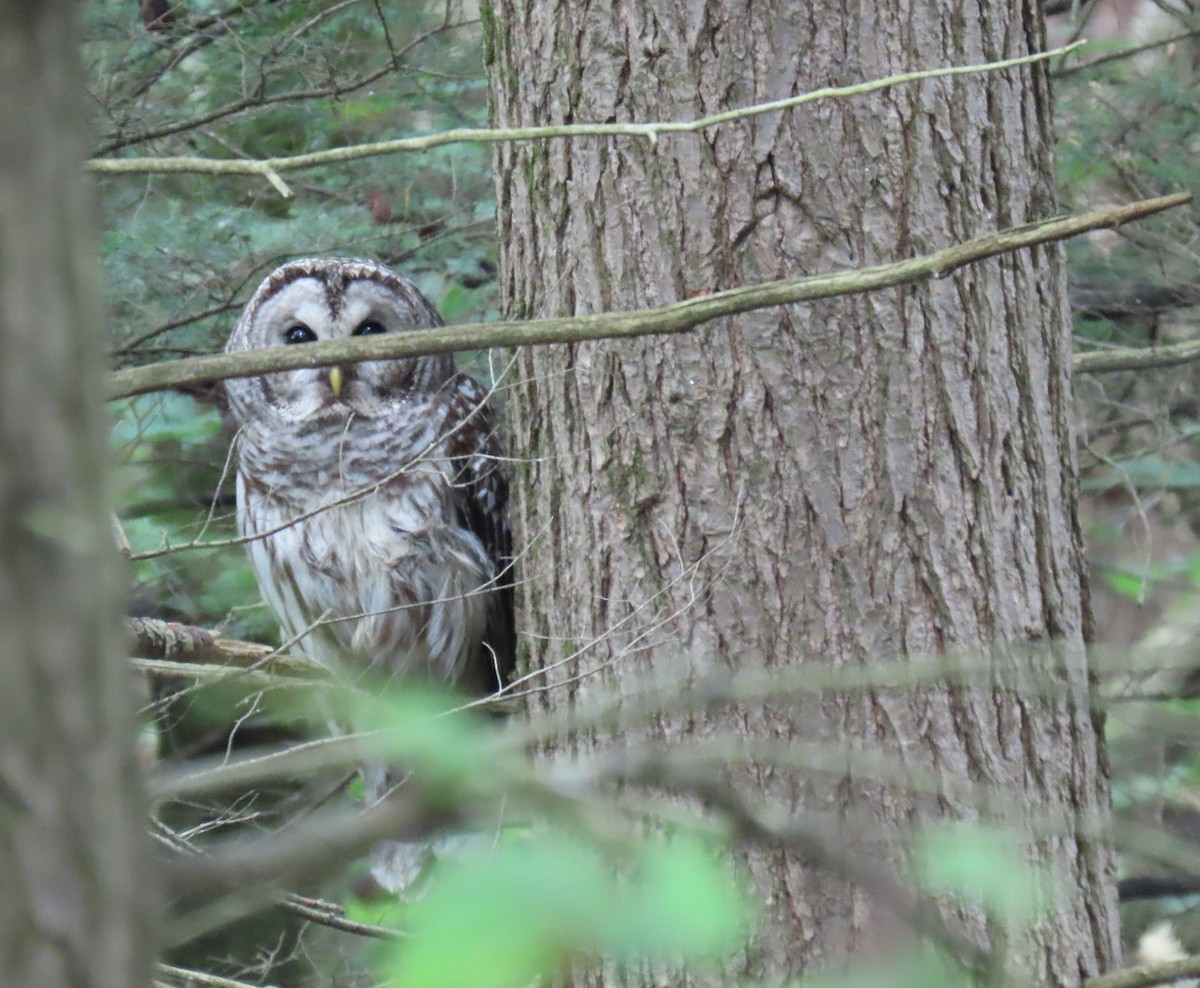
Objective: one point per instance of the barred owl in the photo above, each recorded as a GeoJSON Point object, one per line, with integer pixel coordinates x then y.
{"type": "Point", "coordinates": [372, 495]}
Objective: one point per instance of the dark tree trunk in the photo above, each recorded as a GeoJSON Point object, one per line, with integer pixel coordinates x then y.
{"type": "Point", "coordinates": [825, 485]}
{"type": "Point", "coordinates": [77, 905]}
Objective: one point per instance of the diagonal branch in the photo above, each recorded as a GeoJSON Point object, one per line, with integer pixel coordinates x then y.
{"type": "Point", "coordinates": [819, 848]}
{"type": "Point", "coordinates": [310, 850]}
{"type": "Point", "coordinates": [257, 101]}
{"type": "Point", "coordinates": [271, 168]}
{"type": "Point", "coordinates": [1144, 976]}
{"type": "Point", "coordinates": [675, 318]}
{"type": "Point", "coordinates": [1134, 299]}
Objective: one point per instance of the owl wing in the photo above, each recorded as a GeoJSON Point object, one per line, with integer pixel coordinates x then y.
{"type": "Point", "coordinates": [480, 491]}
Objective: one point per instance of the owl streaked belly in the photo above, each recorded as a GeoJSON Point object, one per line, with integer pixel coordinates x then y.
{"type": "Point", "coordinates": [388, 579]}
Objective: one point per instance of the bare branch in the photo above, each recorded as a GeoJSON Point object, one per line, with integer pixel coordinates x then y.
{"type": "Point", "coordinates": [1132, 299]}
{"type": "Point", "coordinates": [1135, 358]}
{"type": "Point", "coordinates": [675, 318]}
{"type": "Point", "coordinates": [154, 639]}
{"type": "Point", "coordinates": [185, 645]}
{"type": "Point", "coordinates": [330, 915]}
{"type": "Point", "coordinates": [310, 849]}
{"type": "Point", "coordinates": [298, 760]}
{"type": "Point", "coordinates": [254, 679]}
{"type": "Point", "coordinates": [1150, 974]}
{"type": "Point", "coordinates": [198, 35]}
{"type": "Point", "coordinates": [258, 101]}
{"type": "Point", "coordinates": [271, 168]}
{"type": "Point", "coordinates": [305, 854]}
{"type": "Point", "coordinates": [187, 976]}
{"type": "Point", "coordinates": [1131, 51]}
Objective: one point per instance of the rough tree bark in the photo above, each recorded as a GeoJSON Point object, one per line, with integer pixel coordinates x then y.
{"type": "Point", "coordinates": [829, 485]}
{"type": "Point", "coordinates": [77, 906]}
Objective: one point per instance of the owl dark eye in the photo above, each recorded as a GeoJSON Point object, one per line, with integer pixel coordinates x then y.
{"type": "Point", "coordinates": [370, 328]}
{"type": "Point", "coordinates": [299, 334]}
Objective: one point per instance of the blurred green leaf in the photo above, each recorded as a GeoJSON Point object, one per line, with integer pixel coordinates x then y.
{"type": "Point", "coordinates": [684, 903]}
{"type": "Point", "coordinates": [500, 918]}
{"type": "Point", "coordinates": [982, 866]}
{"type": "Point", "coordinates": [524, 908]}
{"type": "Point", "coordinates": [453, 752]}
{"type": "Point", "coordinates": [1129, 585]}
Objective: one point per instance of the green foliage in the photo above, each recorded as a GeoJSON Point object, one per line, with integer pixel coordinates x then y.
{"type": "Point", "coordinates": [174, 488]}
{"type": "Point", "coordinates": [1179, 571]}
{"type": "Point", "coordinates": [981, 867]}
{"type": "Point", "coordinates": [176, 247]}
{"type": "Point", "coordinates": [1147, 473]}
{"type": "Point", "coordinates": [531, 905]}
{"type": "Point", "coordinates": [454, 754]}
{"type": "Point", "coordinates": [181, 253]}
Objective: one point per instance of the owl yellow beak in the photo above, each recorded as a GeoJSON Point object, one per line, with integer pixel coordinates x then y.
{"type": "Point", "coordinates": [337, 377]}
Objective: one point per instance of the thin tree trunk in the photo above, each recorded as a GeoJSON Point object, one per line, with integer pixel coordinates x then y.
{"type": "Point", "coordinates": [826, 485]}
{"type": "Point", "coordinates": [77, 903]}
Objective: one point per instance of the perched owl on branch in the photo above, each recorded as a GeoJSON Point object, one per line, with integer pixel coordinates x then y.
{"type": "Point", "coordinates": [373, 495]}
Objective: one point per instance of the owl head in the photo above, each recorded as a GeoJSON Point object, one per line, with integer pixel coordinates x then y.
{"type": "Point", "coordinates": [330, 299]}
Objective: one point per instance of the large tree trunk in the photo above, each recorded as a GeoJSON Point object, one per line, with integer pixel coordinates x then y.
{"type": "Point", "coordinates": [834, 484]}
{"type": "Point", "coordinates": [77, 902]}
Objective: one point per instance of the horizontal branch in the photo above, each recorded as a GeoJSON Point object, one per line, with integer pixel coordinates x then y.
{"type": "Point", "coordinates": [1123, 301]}
{"type": "Point", "coordinates": [201, 672]}
{"type": "Point", "coordinates": [818, 847]}
{"type": "Point", "coordinates": [167, 645]}
{"type": "Point", "coordinates": [302, 760]}
{"type": "Point", "coordinates": [315, 847]}
{"type": "Point", "coordinates": [155, 639]}
{"type": "Point", "coordinates": [329, 914]}
{"type": "Point", "coordinates": [190, 977]}
{"type": "Point", "coordinates": [1135, 358]}
{"type": "Point", "coordinates": [333, 916]}
{"type": "Point", "coordinates": [675, 318]}
{"type": "Point", "coordinates": [271, 168]}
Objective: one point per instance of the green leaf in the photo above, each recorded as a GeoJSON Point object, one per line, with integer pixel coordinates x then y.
{"type": "Point", "coordinates": [685, 903]}
{"type": "Point", "coordinates": [498, 919]}
{"type": "Point", "coordinates": [530, 903]}
{"type": "Point", "coordinates": [1128, 584]}
{"type": "Point", "coordinates": [453, 752]}
{"type": "Point", "coordinates": [984, 867]}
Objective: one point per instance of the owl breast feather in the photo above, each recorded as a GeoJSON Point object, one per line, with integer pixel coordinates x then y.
{"type": "Point", "coordinates": [379, 577]}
